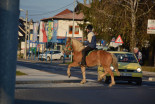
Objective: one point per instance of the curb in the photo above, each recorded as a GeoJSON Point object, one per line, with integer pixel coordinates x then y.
{"type": "Point", "coordinates": [48, 81]}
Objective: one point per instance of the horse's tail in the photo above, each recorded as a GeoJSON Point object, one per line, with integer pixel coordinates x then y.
{"type": "Point", "coordinates": [115, 63]}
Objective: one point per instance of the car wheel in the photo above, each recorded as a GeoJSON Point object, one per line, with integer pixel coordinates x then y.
{"type": "Point", "coordinates": [139, 82]}
{"type": "Point", "coordinates": [48, 58]}
{"type": "Point", "coordinates": [61, 58]}
{"type": "Point", "coordinates": [107, 80]}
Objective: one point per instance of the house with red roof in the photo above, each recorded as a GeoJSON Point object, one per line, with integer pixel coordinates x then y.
{"type": "Point", "coordinates": [62, 26]}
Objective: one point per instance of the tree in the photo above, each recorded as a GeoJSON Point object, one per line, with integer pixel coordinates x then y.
{"type": "Point", "coordinates": [127, 18]}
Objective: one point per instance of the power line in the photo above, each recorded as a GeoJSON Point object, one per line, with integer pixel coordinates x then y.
{"type": "Point", "coordinates": [51, 11]}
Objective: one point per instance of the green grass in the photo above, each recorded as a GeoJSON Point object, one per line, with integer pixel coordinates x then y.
{"type": "Point", "coordinates": [68, 63]}
{"type": "Point", "coordinates": [20, 73]}
{"type": "Point", "coordinates": [148, 68]}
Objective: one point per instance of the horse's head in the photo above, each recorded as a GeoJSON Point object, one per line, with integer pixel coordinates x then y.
{"type": "Point", "coordinates": [73, 44]}
{"type": "Point", "coordinates": [69, 47]}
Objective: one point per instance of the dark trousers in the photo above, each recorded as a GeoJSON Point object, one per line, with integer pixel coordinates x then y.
{"type": "Point", "coordinates": [85, 51]}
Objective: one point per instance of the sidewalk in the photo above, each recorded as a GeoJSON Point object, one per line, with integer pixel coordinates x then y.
{"type": "Point", "coordinates": [34, 75]}
{"type": "Point", "coordinates": [41, 79]}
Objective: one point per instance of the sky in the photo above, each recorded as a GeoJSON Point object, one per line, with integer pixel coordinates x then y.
{"type": "Point", "coordinates": [39, 9]}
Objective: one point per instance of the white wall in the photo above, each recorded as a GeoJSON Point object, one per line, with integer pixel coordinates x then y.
{"type": "Point", "coordinates": [63, 27]}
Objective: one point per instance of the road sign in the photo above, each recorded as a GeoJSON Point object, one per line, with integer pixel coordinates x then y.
{"type": "Point", "coordinates": [151, 27]}
{"type": "Point", "coordinates": [119, 39]}
{"type": "Point", "coordinates": [113, 39]}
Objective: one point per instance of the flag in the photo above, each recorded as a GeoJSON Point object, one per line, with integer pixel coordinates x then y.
{"type": "Point", "coordinates": [55, 29]}
{"type": "Point", "coordinates": [49, 29]}
{"type": "Point", "coordinates": [35, 31]}
{"type": "Point", "coordinates": [44, 33]}
{"type": "Point", "coordinates": [40, 32]}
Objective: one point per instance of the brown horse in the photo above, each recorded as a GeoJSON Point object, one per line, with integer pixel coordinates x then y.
{"type": "Point", "coordinates": [95, 58]}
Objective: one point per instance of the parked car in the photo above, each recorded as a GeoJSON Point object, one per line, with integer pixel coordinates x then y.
{"type": "Point", "coordinates": [54, 54]}
{"type": "Point", "coordinates": [128, 66]}
{"type": "Point", "coordinates": [99, 47]}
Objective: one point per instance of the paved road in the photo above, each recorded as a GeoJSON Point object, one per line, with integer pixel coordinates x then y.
{"type": "Point", "coordinates": [87, 95]}
{"type": "Point", "coordinates": [91, 73]}
{"type": "Point", "coordinates": [74, 93]}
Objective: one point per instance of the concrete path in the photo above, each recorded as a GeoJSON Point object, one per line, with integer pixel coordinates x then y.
{"type": "Point", "coordinates": [36, 78]}
{"type": "Point", "coordinates": [37, 75]}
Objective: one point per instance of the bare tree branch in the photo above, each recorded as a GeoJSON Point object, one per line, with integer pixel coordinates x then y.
{"type": "Point", "coordinates": [136, 5]}
{"type": "Point", "coordinates": [127, 1]}
{"type": "Point", "coordinates": [145, 12]}
{"type": "Point", "coordinates": [126, 6]}
{"type": "Point", "coordinates": [102, 11]}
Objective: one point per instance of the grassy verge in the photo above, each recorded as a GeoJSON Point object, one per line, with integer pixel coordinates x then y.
{"type": "Point", "coordinates": [148, 68]}
{"type": "Point", "coordinates": [20, 73]}
{"type": "Point", "coordinates": [68, 63]}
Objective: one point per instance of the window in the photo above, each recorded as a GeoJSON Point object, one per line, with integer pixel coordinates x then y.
{"type": "Point", "coordinates": [57, 52]}
{"type": "Point", "coordinates": [70, 29]}
{"type": "Point", "coordinates": [130, 58]}
{"type": "Point", "coordinates": [76, 29]}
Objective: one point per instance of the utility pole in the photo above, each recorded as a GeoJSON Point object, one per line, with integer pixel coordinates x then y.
{"type": "Point", "coordinates": [9, 17]}
{"type": "Point", "coordinates": [73, 20]}
{"type": "Point", "coordinates": [73, 29]}
{"type": "Point", "coordinates": [25, 52]}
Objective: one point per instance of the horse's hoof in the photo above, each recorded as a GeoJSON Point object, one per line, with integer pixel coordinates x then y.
{"type": "Point", "coordinates": [111, 84]}
{"type": "Point", "coordinates": [100, 79]}
{"type": "Point", "coordinates": [69, 76]}
{"type": "Point", "coordinates": [82, 82]}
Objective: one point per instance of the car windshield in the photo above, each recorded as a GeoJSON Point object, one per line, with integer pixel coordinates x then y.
{"type": "Point", "coordinates": [129, 58]}
{"type": "Point", "coordinates": [48, 52]}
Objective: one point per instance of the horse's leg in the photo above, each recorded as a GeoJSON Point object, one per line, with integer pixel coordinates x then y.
{"type": "Point", "coordinates": [84, 75]}
{"type": "Point", "coordinates": [74, 64]}
{"type": "Point", "coordinates": [102, 76]}
{"type": "Point", "coordinates": [112, 77]}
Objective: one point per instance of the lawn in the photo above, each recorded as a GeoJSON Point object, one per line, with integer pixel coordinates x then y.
{"type": "Point", "coordinates": [148, 68]}
{"type": "Point", "coordinates": [20, 73]}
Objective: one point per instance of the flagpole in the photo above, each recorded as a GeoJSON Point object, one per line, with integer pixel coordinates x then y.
{"type": "Point", "coordinates": [25, 52]}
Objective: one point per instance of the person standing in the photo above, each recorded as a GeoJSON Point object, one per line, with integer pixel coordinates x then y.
{"type": "Point", "coordinates": [91, 38]}
{"type": "Point", "coordinates": [138, 55]}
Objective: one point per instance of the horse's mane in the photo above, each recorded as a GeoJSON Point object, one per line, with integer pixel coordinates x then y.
{"type": "Point", "coordinates": [78, 46]}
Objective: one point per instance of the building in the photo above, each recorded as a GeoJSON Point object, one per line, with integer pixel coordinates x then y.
{"type": "Point", "coordinates": [61, 26]}
{"type": "Point", "coordinates": [22, 32]}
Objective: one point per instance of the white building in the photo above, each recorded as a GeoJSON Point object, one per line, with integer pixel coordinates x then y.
{"type": "Point", "coordinates": [64, 25]}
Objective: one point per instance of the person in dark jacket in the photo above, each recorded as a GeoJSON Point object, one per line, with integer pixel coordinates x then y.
{"type": "Point", "coordinates": [138, 55]}
{"type": "Point", "coordinates": [91, 38]}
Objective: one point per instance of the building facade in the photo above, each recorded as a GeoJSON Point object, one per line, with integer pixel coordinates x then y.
{"type": "Point", "coordinates": [60, 26]}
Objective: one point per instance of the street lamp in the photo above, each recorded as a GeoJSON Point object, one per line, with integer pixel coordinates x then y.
{"type": "Point", "coordinates": [26, 18]}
